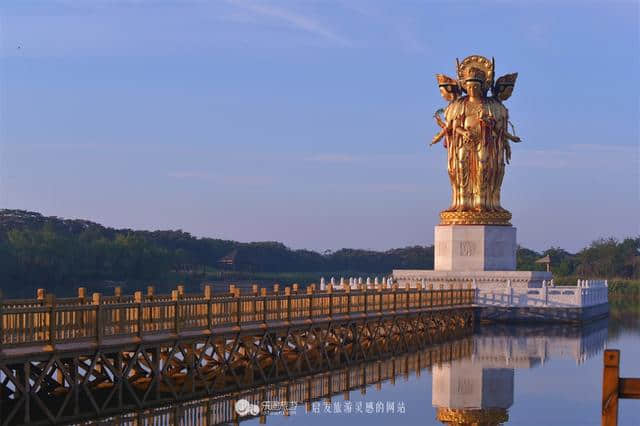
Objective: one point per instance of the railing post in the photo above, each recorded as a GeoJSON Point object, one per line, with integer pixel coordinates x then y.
{"type": "Point", "coordinates": [475, 293]}
{"type": "Point", "coordinates": [153, 312]}
{"type": "Point", "coordinates": [431, 296]}
{"type": "Point", "coordinates": [610, 385]}
{"type": "Point", "coordinates": [364, 292]}
{"type": "Point", "coordinates": [207, 297]}
{"type": "Point", "coordinates": [117, 292]}
{"type": "Point", "coordinates": [176, 311]}
{"type": "Point", "coordinates": [347, 291]}
{"type": "Point", "coordinates": [137, 298]}
{"type": "Point", "coordinates": [310, 293]}
{"type": "Point", "coordinates": [238, 307]}
{"type": "Point", "coordinates": [254, 303]}
{"type": "Point", "coordinates": [394, 290]}
{"type": "Point", "coordinates": [330, 293]}
{"type": "Point", "coordinates": [287, 295]}
{"type": "Point", "coordinates": [78, 317]}
{"type": "Point", "coordinates": [50, 301]}
{"type": "Point", "coordinates": [263, 293]}
{"type": "Point", "coordinates": [1, 318]}
{"type": "Point", "coordinates": [97, 302]}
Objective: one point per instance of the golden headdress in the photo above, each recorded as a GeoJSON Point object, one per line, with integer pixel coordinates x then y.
{"type": "Point", "coordinates": [474, 74]}
{"type": "Point", "coordinates": [481, 64]}
{"type": "Point", "coordinates": [444, 80]}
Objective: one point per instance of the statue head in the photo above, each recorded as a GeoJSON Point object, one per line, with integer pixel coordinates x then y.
{"type": "Point", "coordinates": [504, 86]}
{"type": "Point", "coordinates": [476, 67]}
{"type": "Point", "coordinates": [473, 81]}
{"type": "Point", "coordinates": [449, 88]}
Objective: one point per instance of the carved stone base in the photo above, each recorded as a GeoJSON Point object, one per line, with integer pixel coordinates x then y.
{"type": "Point", "coordinates": [475, 248]}
{"type": "Point", "coordinates": [475, 218]}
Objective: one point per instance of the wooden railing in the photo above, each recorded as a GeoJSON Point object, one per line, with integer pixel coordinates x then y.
{"type": "Point", "coordinates": [49, 321]}
{"type": "Point", "coordinates": [615, 387]}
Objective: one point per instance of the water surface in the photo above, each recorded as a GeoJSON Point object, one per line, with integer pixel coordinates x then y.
{"type": "Point", "coordinates": [520, 375]}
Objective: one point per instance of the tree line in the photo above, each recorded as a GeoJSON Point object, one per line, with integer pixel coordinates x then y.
{"type": "Point", "coordinates": [62, 254]}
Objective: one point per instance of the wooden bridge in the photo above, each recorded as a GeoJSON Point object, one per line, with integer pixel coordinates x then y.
{"type": "Point", "coordinates": [60, 357]}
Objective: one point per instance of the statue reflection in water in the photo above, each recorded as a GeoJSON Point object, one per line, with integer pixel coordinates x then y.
{"type": "Point", "coordinates": [479, 390]}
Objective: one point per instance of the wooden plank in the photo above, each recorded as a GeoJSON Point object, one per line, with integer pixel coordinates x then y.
{"type": "Point", "coordinates": [629, 388]}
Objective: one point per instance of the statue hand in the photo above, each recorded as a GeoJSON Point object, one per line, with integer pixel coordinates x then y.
{"type": "Point", "coordinates": [516, 139]}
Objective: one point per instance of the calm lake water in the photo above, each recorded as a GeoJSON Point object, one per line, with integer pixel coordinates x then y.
{"type": "Point", "coordinates": [524, 375]}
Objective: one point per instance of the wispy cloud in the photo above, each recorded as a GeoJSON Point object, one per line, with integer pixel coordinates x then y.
{"type": "Point", "coordinates": [295, 20]}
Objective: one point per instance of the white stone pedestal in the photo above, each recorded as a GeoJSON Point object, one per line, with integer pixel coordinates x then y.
{"type": "Point", "coordinates": [475, 248]}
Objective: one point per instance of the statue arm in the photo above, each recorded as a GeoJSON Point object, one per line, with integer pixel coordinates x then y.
{"type": "Point", "coordinates": [509, 136]}
{"type": "Point", "coordinates": [439, 120]}
{"type": "Point", "coordinates": [512, 137]}
{"type": "Point", "coordinates": [438, 137]}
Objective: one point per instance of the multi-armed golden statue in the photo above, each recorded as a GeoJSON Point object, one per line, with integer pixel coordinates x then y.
{"type": "Point", "coordinates": [475, 128]}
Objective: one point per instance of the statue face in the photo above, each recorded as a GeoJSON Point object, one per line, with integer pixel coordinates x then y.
{"type": "Point", "coordinates": [447, 93]}
{"type": "Point", "coordinates": [473, 88]}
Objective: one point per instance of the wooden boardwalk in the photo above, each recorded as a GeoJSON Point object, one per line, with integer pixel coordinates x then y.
{"type": "Point", "coordinates": [60, 357]}
{"type": "Point", "coordinates": [49, 323]}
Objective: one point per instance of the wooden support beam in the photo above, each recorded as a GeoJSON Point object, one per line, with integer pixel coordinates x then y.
{"type": "Point", "coordinates": [629, 388]}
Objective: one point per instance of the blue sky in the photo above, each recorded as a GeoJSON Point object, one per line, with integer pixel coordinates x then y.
{"type": "Point", "coordinates": [307, 122]}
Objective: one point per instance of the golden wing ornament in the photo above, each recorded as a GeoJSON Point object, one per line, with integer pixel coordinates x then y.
{"type": "Point", "coordinates": [448, 86]}
{"type": "Point", "coordinates": [503, 88]}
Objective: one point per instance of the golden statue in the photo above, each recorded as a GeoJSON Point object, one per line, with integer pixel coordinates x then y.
{"type": "Point", "coordinates": [476, 136]}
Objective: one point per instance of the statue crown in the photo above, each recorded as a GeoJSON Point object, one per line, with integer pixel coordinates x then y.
{"type": "Point", "coordinates": [444, 80]}
{"type": "Point", "coordinates": [474, 74]}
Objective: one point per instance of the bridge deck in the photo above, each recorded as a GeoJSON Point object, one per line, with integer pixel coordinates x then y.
{"type": "Point", "coordinates": [64, 359]}
{"type": "Point", "coordinates": [47, 324]}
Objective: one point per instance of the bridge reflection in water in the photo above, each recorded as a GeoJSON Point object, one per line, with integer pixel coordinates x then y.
{"type": "Point", "coordinates": [304, 390]}
{"type": "Point", "coordinates": [472, 377]}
